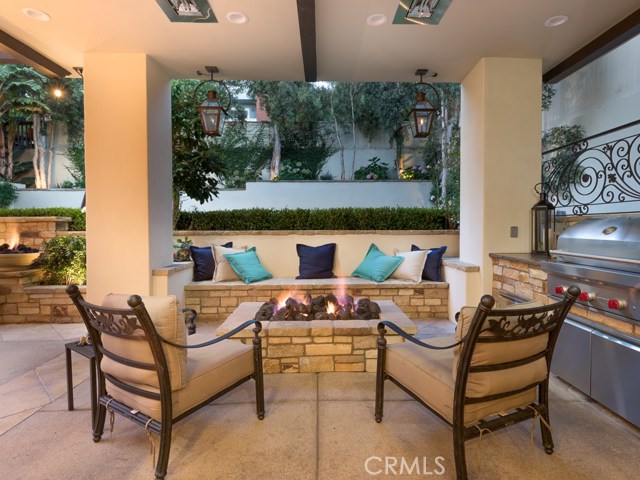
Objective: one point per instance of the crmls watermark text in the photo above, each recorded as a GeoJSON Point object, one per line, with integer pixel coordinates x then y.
{"type": "Point", "coordinates": [404, 466]}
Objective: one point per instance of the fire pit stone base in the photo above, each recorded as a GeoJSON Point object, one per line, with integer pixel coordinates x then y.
{"type": "Point", "coordinates": [319, 345]}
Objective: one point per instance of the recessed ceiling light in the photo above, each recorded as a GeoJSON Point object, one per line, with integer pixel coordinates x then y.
{"type": "Point", "coordinates": [237, 18]}
{"type": "Point", "coordinates": [377, 19]}
{"type": "Point", "coordinates": [556, 20]}
{"type": "Point", "coordinates": [36, 14]}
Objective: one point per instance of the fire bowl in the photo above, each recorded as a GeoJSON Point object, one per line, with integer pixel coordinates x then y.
{"type": "Point", "coordinates": [17, 261]}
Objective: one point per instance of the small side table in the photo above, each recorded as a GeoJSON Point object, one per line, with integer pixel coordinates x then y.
{"type": "Point", "coordinates": [87, 352]}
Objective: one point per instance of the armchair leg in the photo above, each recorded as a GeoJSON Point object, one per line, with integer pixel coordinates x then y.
{"type": "Point", "coordinates": [163, 454]}
{"type": "Point", "coordinates": [545, 422]}
{"type": "Point", "coordinates": [258, 372]}
{"type": "Point", "coordinates": [98, 425]}
{"type": "Point", "coordinates": [459, 453]}
{"type": "Point", "coordinates": [380, 375]}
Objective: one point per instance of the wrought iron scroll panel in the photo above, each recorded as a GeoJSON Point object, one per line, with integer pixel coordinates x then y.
{"type": "Point", "coordinates": [586, 173]}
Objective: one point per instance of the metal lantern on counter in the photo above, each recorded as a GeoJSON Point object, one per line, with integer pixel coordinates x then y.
{"type": "Point", "coordinates": [543, 217]}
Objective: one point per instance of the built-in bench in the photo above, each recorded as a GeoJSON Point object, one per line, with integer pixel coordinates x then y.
{"type": "Point", "coordinates": [277, 252]}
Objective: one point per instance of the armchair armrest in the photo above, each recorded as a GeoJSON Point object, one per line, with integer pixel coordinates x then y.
{"type": "Point", "coordinates": [386, 323]}
{"type": "Point", "coordinates": [256, 330]}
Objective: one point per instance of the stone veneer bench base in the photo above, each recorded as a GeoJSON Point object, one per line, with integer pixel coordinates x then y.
{"type": "Point", "coordinates": [319, 345]}
{"type": "Point", "coordinates": [216, 301]}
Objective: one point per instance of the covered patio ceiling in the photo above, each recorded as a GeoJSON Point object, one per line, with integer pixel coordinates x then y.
{"type": "Point", "coordinates": [313, 40]}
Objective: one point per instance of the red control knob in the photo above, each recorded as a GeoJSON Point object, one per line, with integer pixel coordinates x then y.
{"type": "Point", "coordinates": [560, 289]}
{"type": "Point", "coordinates": [615, 304]}
{"type": "Point", "coordinates": [587, 296]}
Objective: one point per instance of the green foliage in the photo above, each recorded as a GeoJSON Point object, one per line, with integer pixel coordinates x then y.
{"type": "Point", "coordinates": [196, 166]}
{"type": "Point", "coordinates": [64, 260]}
{"type": "Point", "coordinates": [561, 135]}
{"type": "Point", "coordinates": [375, 170]}
{"type": "Point", "coordinates": [326, 176]}
{"type": "Point", "coordinates": [245, 150]}
{"type": "Point", "coordinates": [8, 194]}
{"type": "Point", "coordinates": [75, 154]}
{"type": "Point", "coordinates": [416, 172]}
{"type": "Point", "coordinates": [299, 112]}
{"type": "Point", "coordinates": [78, 220]}
{"type": "Point", "coordinates": [548, 92]}
{"type": "Point", "coordinates": [315, 219]}
{"type": "Point", "coordinates": [181, 252]}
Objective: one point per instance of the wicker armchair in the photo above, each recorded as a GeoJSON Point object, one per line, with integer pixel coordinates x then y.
{"type": "Point", "coordinates": [145, 373]}
{"type": "Point", "coordinates": [494, 373]}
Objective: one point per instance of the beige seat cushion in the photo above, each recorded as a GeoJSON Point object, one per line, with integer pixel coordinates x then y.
{"type": "Point", "coordinates": [209, 370]}
{"type": "Point", "coordinates": [164, 314]}
{"type": "Point", "coordinates": [427, 373]}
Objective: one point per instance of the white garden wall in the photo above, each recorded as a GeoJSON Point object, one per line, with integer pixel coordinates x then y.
{"type": "Point", "coordinates": [324, 194]}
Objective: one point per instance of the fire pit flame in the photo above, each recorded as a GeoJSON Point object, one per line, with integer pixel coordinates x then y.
{"type": "Point", "coordinates": [326, 307]}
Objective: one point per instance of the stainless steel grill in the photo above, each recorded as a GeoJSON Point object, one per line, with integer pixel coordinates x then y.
{"type": "Point", "coordinates": [602, 257]}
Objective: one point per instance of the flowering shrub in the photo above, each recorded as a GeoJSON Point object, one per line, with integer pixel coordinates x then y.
{"type": "Point", "coordinates": [295, 171]}
{"type": "Point", "coordinates": [376, 170]}
{"type": "Point", "coordinates": [416, 172]}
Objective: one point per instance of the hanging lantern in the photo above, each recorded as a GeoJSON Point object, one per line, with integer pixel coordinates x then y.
{"type": "Point", "coordinates": [422, 117]}
{"type": "Point", "coordinates": [212, 115]}
{"type": "Point", "coordinates": [543, 216]}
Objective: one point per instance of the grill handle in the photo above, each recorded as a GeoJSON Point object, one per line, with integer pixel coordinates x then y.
{"type": "Point", "coordinates": [595, 257]}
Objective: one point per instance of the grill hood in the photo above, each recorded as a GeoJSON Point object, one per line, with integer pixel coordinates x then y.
{"type": "Point", "coordinates": [612, 242]}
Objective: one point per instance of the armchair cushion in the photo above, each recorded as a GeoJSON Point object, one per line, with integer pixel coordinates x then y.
{"type": "Point", "coordinates": [164, 314]}
{"type": "Point", "coordinates": [427, 373]}
{"type": "Point", "coordinates": [210, 370]}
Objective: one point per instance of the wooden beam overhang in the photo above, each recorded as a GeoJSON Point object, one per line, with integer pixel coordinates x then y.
{"type": "Point", "coordinates": [307, 23]}
{"type": "Point", "coordinates": [612, 38]}
{"type": "Point", "coordinates": [23, 53]}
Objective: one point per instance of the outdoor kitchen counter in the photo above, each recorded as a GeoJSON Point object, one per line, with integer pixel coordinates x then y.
{"type": "Point", "coordinates": [532, 259]}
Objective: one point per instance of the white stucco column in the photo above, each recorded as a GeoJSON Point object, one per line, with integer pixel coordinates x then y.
{"type": "Point", "coordinates": [128, 172]}
{"type": "Point", "coordinates": [500, 160]}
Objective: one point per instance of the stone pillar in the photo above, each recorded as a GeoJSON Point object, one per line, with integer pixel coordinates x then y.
{"type": "Point", "coordinates": [500, 160]}
{"type": "Point", "coordinates": [128, 170]}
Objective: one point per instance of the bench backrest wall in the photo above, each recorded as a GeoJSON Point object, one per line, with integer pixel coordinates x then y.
{"type": "Point", "coordinates": [277, 249]}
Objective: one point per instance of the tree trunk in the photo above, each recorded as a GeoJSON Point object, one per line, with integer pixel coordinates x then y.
{"type": "Point", "coordinates": [276, 156]}
{"type": "Point", "coordinates": [12, 133]}
{"type": "Point", "coordinates": [37, 151]}
{"type": "Point", "coordinates": [353, 129]}
{"type": "Point", "coordinates": [52, 133]}
{"type": "Point", "coordinates": [3, 153]}
{"type": "Point", "coordinates": [338, 139]}
{"type": "Point", "coordinates": [445, 138]}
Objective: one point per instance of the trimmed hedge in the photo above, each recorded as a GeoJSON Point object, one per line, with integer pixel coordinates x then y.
{"type": "Point", "coordinates": [78, 219]}
{"type": "Point", "coordinates": [315, 219]}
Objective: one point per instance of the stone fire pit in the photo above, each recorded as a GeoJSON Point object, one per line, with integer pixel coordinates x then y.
{"type": "Point", "coordinates": [319, 345]}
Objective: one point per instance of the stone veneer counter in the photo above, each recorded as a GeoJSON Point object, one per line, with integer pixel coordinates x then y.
{"type": "Point", "coordinates": [319, 345]}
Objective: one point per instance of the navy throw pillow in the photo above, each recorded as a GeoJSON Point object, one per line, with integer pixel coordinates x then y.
{"type": "Point", "coordinates": [316, 262]}
{"type": "Point", "coordinates": [434, 262]}
{"type": "Point", "coordinates": [203, 264]}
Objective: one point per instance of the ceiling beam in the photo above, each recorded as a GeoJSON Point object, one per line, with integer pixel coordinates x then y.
{"type": "Point", "coordinates": [307, 23]}
{"type": "Point", "coordinates": [612, 38]}
{"type": "Point", "coordinates": [24, 54]}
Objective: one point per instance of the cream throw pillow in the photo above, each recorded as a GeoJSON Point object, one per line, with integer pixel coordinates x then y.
{"type": "Point", "coordinates": [412, 266]}
{"type": "Point", "coordinates": [223, 271]}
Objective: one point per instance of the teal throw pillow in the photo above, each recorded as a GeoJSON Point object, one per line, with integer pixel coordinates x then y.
{"type": "Point", "coordinates": [247, 266]}
{"type": "Point", "coordinates": [376, 265]}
